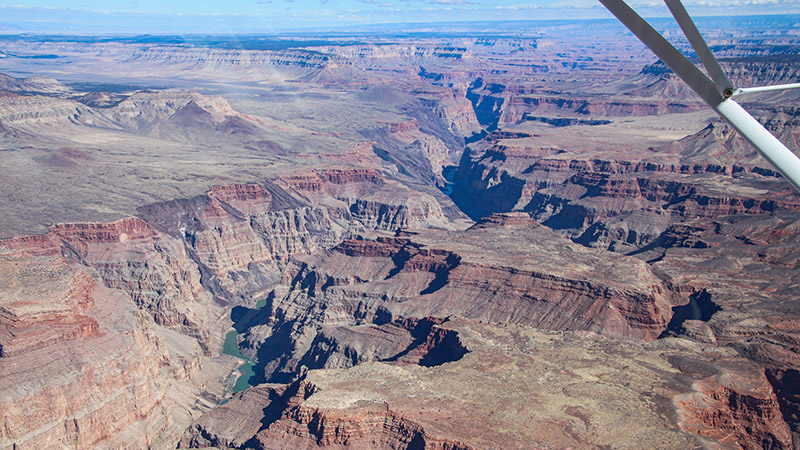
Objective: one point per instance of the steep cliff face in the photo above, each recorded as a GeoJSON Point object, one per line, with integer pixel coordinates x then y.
{"type": "Point", "coordinates": [500, 105]}
{"type": "Point", "coordinates": [129, 255]}
{"type": "Point", "coordinates": [517, 108]}
{"type": "Point", "coordinates": [347, 306]}
{"type": "Point", "coordinates": [719, 144]}
{"type": "Point", "coordinates": [736, 409]}
{"type": "Point", "coordinates": [754, 292]}
{"type": "Point", "coordinates": [761, 71]}
{"type": "Point", "coordinates": [274, 417]}
{"type": "Point", "coordinates": [387, 336]}
{"type": "Point", "coordinates": [456, 110]}
{"type": "Point", "coordinates": [80, 366]}
{"type": "Point", "coordinates": [307, 428]}
{"type": "Point", "coordinates": [240, 236]}
{"type": "Point", "coordinates": [538, 389]}
{"type": "Point", "coordinates": [431, 135]}
{"type": "Point", "coordinates": [745, 67]}
{"type": "Point", "coordinates": [269, 414]}
{"type": "Point", "coordinates": [137, 305]}
{"type": "Point", "coordinates": [620, 203]}
{"type": "Point", "coordinates": [366, 198]}
{"type": "Point", "coordinates": [27, 328]}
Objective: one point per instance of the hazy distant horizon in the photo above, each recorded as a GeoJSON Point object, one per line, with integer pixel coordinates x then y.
{"type": "Point", "coordinates": [269, 16]}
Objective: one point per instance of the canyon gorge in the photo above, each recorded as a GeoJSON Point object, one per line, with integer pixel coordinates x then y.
{"type": "Point", "coordinates": [525, 236]}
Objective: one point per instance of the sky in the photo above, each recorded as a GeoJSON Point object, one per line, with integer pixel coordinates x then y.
{"type": "Point", "coordinates": [266, 16]}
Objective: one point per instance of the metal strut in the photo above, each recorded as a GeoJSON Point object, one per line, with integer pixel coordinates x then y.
{"type": "Point", "coordinates": [719, 93]}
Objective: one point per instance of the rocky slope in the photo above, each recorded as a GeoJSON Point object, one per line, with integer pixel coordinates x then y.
{"type": "Point", "coordinates": [349, 305]}
{"type": "Point", "coordinates": [40, 84]}
{"type": "Point", "coordinates": [172, 115]}
{"type": "Point", "coordinates": [82, 367]}
{"type": "Point", "coordinates": [302, 209]}
{"type": "Point", "coordinates": [601, 199]}
{"type": "Point", "coordinates": [754, 292]}
{"type": "Point", "coordinates": [364, 197]}
{"type": "Point", "coordinates": [538, 389]}
{"type": "Point", "coordinates": [139, 304]}
{"type": "Point", "coordinates": [164, 144]}
{"type": "Point", "coordinates": [712, 219]}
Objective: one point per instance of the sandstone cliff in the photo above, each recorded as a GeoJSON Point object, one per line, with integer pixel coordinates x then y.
{"type": "Point", "coordinates": [139, 305]}
{"type": "Point", "coordinates": [344, 305]}
{"type": "Point", "coordinates": [366, 198]}
{"type": "Point", "coordinates": [306, 213]}
{"type": "Point", "coordinates": [622, 203]}
{"type": "Point", "coordinates": [82, 367]}
{"type": "Point", "coordinates": [537, 389]}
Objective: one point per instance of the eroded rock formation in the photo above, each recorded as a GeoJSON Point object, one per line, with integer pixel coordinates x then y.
{"type": "Point", "coordinates": [137, 303]}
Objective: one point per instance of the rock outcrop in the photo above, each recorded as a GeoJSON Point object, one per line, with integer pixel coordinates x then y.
{"type": "Point", "coordinates": [345, 306]}
{"type": "Point", "coordinates": [138, 305]}
{"type": "Point", "coordinates": [735, 409]}
{"type": "Point", "coordinates": [754, 297]}
{"type": "Point", "coordinates": [240, 236]}
{"type": "Point", "coordinates": [128, 255]}
{"type": "Point", "coordinates": [367, 198]}
{"type": "Point", "coordinates": [621, 204]}
{"type": "Point", "coordinates": [538, 389]}
{"type": "Point", "coordinates": [80, 366]}
{"type": "Point", "coordinates": [303, 208]}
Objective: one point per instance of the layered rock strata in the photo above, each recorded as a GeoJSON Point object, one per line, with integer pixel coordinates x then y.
{"type": "Point", "coordinates": [138, 307]}
{"type": "Point", "coordinates": [754, 294]}
{"type": "Point", "coordinates": [507, 269]}
{"type": "Point", "coordinates": [81, 366]}
{"type": "Point", "coordinates": [601, 199]}
{"type": "Point", "coordinates": [537, 389]}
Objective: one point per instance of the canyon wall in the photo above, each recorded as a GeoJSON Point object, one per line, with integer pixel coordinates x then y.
{"type": "Point", "coordinates": [348, 305]}
{"type": "Point", "coordinates": [138, 305]}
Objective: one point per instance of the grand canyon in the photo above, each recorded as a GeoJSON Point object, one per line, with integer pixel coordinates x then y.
{"type": "Point", "coordinates": [520, 235]}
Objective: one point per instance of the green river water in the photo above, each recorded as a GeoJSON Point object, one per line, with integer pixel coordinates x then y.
{"type": "Point", "coordinates": [245, 370]}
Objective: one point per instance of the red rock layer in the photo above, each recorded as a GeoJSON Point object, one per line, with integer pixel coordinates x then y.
{"type": "Point", "coordinates": [308, 428]}
{"type": "Point", "coordinates": [737, 410]}
{"type": "Point", "coordinates": [509, 269]}
{"type": "Point", "coordinates": [25, 329]}
{"type": "Point", "coordinates": [459, 283]}
{"type": "Point", "coordinates": [518, 106]}
{"type": "Point", "coordinates": [118, 377]}
{"type": "Point", "coordinates": [247, 198]}
{"type": "Point", "coordinates": [365, 197]}
{"type": "Point", "coordinates": [615, 204]}
{"type": "Point", "coordinates": [131, 256]}
{"type": "Point", "coordinates": [79, 365]}
{"type": "Point", "coordinates": [273, 417]}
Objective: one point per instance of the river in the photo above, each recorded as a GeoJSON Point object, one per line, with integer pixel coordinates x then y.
{"type": "Point", "coordinates": [246, 370]}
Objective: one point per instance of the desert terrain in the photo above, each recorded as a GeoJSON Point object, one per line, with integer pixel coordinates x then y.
{"type": "Point", "coordinates": [517, 235]}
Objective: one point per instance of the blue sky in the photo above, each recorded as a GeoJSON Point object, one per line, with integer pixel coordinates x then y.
{"type": "Point", "coordinates": [247, 16]}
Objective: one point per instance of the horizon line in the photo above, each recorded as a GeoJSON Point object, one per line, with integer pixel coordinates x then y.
{"type": "Point", "coordinates": [354, 28]}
